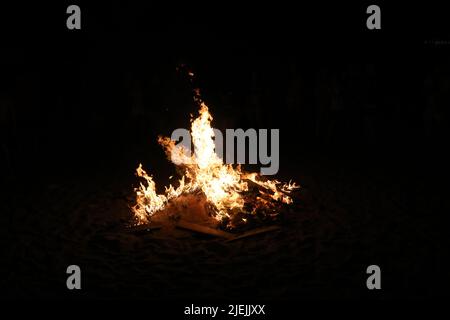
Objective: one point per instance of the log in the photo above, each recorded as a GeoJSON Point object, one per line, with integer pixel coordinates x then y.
{"type": "Point", "coordinates": [254, 185]}
{"type": "Point", "coordinates": [202, 229]}
{"type": "Point", "coordinates": [254, 233]}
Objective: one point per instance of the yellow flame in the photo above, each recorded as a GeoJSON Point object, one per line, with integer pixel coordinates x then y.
{"type": "Point", "coordinates": [205, 171]}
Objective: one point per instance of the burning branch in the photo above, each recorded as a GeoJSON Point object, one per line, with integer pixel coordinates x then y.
{"type": "Point", "coordinates": [234, 196]}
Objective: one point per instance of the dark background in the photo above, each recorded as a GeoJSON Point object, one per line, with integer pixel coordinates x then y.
{"type": "Point", "coordinates": [315, 72]}
{"type": "Point", "coordinates": [363, 115]}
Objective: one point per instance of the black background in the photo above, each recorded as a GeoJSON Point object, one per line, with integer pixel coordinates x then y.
{"type": "Point", "coordinates": [370, 104]}
{"type": "Point", "coordinates": [83, 82]}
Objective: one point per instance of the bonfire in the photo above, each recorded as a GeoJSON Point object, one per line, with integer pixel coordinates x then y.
{"type": "Point", "coordinates": [232, 196]}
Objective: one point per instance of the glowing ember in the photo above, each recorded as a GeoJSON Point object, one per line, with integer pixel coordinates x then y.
{"type": "Point", "coordinates": [226, 188]}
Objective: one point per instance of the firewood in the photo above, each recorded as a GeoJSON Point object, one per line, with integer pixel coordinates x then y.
{"type": "Point", "coordinates": [203, 229]}
{"type": "Point", "coordinates": [254, 232]}
{"type": "Point", "coordinates": [255, 188]}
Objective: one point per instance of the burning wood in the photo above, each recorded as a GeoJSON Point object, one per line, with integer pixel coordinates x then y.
{"type": "Point", "coordinates": [233, 196]}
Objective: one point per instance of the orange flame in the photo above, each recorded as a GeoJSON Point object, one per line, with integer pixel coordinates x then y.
{"type": "Point", "coordinates": [204, 171]}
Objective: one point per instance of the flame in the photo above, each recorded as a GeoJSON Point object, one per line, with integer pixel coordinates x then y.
{"type": "Point", "coordinates": [223, 185]}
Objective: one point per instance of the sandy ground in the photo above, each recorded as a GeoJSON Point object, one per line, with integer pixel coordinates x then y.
{"type": "Point", "coordinates": [343, 222]}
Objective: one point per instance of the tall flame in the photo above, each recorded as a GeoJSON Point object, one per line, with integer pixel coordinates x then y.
{"type": "Point", "coordinates": [204, 171]}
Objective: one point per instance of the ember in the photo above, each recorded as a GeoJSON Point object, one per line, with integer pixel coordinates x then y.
{"type": "Point", "coordinates": [233, 196]}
